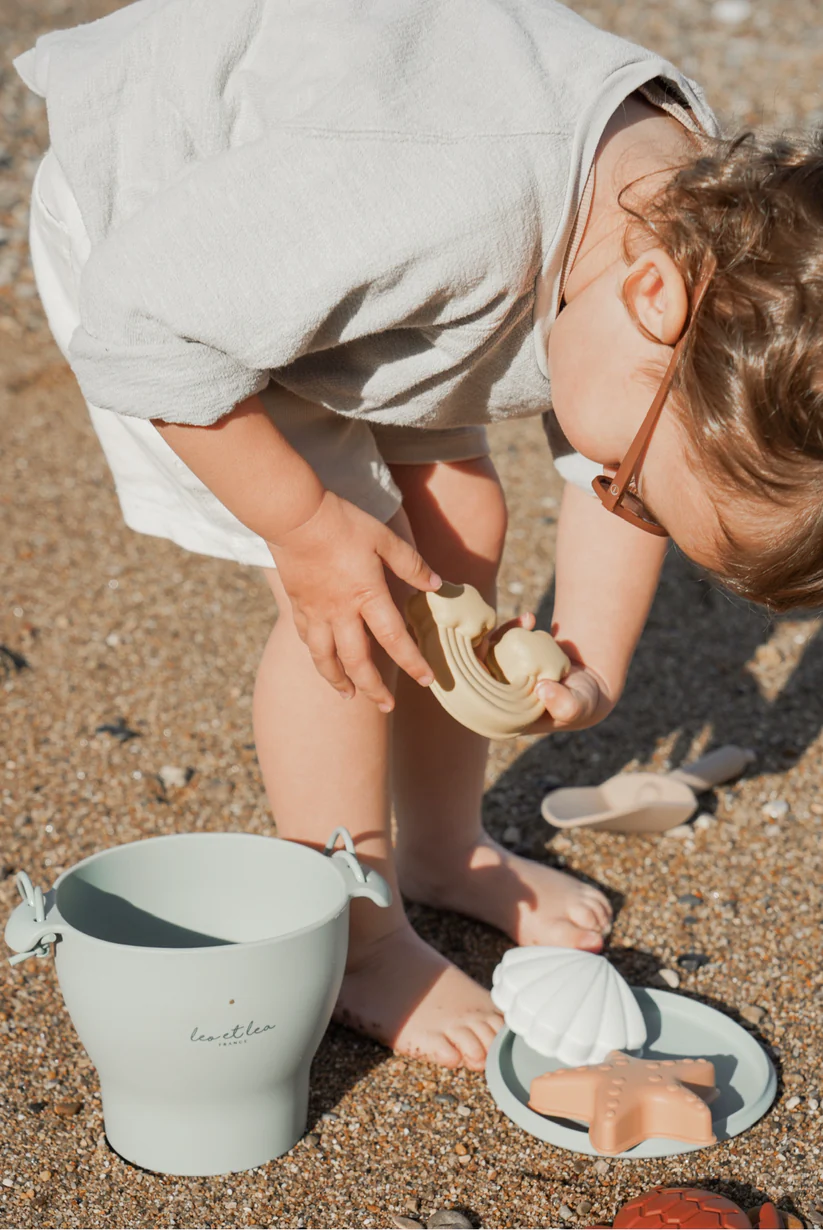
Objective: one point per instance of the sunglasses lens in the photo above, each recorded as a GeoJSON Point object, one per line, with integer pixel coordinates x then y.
{"type": "Point", "coordinates": [630, 503]}
{"type": "Point", "coordinates": [636, 506]}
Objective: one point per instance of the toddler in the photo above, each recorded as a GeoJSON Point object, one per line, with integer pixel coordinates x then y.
{"type": "Point", "coordinates": [298, 255]}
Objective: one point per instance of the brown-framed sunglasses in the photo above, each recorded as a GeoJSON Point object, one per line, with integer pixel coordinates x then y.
{"type": "Point", "coordinates": [618, 494]}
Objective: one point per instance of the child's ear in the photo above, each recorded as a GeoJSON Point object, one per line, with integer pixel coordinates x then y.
{"type": "Point", "coordinates": [655, 294]}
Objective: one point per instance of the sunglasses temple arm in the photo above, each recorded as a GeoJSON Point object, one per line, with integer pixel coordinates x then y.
{"type": "Point", "coordinates": [637, 450]}
{"type": "Point", "coordinates": [625, 472]}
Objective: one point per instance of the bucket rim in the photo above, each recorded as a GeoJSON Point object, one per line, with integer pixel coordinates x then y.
{"type": "Point", "coordinates": [330, 916]}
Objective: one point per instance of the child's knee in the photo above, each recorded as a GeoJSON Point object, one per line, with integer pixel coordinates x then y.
{"type": "Point", "coordinates": [458, 516]}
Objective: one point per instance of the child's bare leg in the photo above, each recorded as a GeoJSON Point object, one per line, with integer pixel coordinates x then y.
{"type": "Point", "coordinates": [324, 762]}
{"type": "Point", "coordinates": [445, 858]}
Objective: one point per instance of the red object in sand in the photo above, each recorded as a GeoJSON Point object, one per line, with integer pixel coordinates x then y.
{"type": "Point", "coordinates": [769, 1217]}
{"type": "Point", "coordinates": [669, 1208]}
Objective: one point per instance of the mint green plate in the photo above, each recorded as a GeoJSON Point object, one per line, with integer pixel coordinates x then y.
{"type": "Point", "coordinates": [678, 1028]}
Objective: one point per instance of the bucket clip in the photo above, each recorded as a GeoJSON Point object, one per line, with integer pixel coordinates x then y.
{"type": "Point", "coordinates": [360, 882]}
{"type": "Point", "coordinates": [32, 924]}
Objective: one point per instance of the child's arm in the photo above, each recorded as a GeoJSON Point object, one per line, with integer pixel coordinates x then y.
{"type": "Point", "coordinates": [605, 580]}
{"type": "Point", "coordinates": [330, 554]}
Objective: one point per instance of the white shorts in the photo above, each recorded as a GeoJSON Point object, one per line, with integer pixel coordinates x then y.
{"type": "Point", "coordinates": [158, 493]}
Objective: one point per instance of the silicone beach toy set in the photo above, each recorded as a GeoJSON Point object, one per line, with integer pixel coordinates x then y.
{"type": "Point", "coordinates": [201, 971]}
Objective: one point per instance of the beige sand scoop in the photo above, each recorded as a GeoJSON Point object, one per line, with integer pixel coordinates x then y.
{"type": "Point", "coordinates": [644, 802]}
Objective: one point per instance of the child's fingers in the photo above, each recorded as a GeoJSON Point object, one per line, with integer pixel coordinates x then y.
{"type": "Point", "coordinates": [389, 630]}
{"type": "Point", "coordinates": [527, 621]}
{"type": "Point", "coordinates": [354, 651]}
{"type": "Point", "coordinates": [521, 621]}
{"type": "Point", "coordinates": [320, 642]}
{"type": "Point", "coordinates": [406, 562]}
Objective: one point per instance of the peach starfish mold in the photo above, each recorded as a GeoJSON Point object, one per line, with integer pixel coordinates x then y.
{"type": "Point", "coordinates": [627, 1100]}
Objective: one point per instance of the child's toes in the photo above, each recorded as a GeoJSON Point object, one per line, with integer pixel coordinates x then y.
{"type": "Point", "coordinates": [565, 933]}
{"type": "Point", "coordinates": [585, 915]}
{"type": "Point", "coordinates": [471, 1045]}
{"type": "Point", "coordinates": [443, 1051]}
{"type": "Point", "coordinates": [489, 1027]}
{"type": "Point", "coordinates": [599, 910]}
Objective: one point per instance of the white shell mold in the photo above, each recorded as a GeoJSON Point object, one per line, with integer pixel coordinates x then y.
{"type": "Point", "coordinates": [567, 1005]}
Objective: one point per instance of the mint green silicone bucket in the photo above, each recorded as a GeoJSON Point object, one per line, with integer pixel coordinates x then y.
{"type": "Point", "coordinates": [200, 972]}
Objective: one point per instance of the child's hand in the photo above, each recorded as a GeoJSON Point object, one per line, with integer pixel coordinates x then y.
{"type": "Point", "coordinates": [332, 568]}
{"type": "Point", "coordinates": [578, 701]}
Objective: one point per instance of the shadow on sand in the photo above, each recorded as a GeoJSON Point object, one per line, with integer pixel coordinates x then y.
{"type": "Point", "coordinates": [688, 676]}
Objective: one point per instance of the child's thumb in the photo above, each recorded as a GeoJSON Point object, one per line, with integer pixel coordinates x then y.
{"type": "Point", "coordinates": [558, 700]}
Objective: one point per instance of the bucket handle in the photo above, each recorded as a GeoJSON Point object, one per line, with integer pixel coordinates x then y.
{"type": "Point", "coordinates": [349, 856]}
{"type": "Point", "coordinates": [359, 882]}
{"type": "Point", "coordinates": [28, 923]}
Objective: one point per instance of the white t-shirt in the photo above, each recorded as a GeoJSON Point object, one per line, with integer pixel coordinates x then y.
{"type": "Point", "coordinates": [362, 198]}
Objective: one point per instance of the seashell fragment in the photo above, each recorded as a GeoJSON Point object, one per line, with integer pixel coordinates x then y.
{"type": "Point", "coordinates": [566, 1004]}
{"type": "Point", "coordinates": [496, 698]}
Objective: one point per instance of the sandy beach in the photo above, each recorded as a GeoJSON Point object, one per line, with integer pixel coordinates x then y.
{"type": "Point", "coordinates": [122, 655]}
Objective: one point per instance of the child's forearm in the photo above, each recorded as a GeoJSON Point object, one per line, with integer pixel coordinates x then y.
{"type": "Point", "coordinates": [251, 468]}
{"type": "Point", "coordinates": [605, 580]}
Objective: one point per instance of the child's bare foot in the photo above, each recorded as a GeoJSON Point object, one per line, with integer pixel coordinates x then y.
{"type": "Point", "coordinates": [400, 991]}
{"type": "Point", "coordinates": [527, 901]}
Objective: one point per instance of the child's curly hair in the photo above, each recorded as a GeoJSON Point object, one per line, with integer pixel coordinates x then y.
{"type": "Point", "coordinates": [749, 390]}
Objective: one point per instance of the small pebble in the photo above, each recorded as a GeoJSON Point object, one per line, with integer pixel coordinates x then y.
{"type": "Point", "coordinates": [36, 1107]}
{"type": "Point", "coordinates": [579, 1166]}
{"type": "Point", "coordinates": [680, 832]}
{"type": "Point", "coordinates": [465, 1111]}
{"type": "Point", "coordinates": [752, 1014]}
{"type": "Point", "coordinates": [511, 835]}
{"type": "Point", "coordinates": [8, 1183]}
{"type": "Point", "coordinates": [44, 1176]}
{"type": "Point", "coordinates": [66, 1109]}
{"type": "Point", "coordinates": [585, 1206]}
{"type": "Point", "coordinates": [813, 1104]}
{"type": "Point", "coordinates": [311, 1141]}
{"type": "Point", "coordinates": [460, 1149]}
{"type": "Point", "coordinates": [173, 777]}
{"type": "Point", "coordinates": [732, 12]}
{"type": "Point", "coordinates": [692, 961]}
{"type": "Point", "coordinates": [448, 1219]}
{"type": "Point", "coordinates": [330, 1117]}
{"type": "Point", "coordinates": [793, 1102]}
{"type": "Point", "coordinates": [601, 1167]}
{"type": "Point", "coordinates": [670, 977]}
{"type": "Point", "coordinates": [690, 899]}
{"type": "Point", "coordinates": [445, 1099]}
{"type": "Point", "coordinates": [404, 1222]}
{"type": "Point", "coordinates": [776, 810]}
{"type": "Point", "coordinates": [704, 821]}
{"type": "Point", "coordinates": [550, 782]}
{"type": "Point", "coordinates": [565, 1212]}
